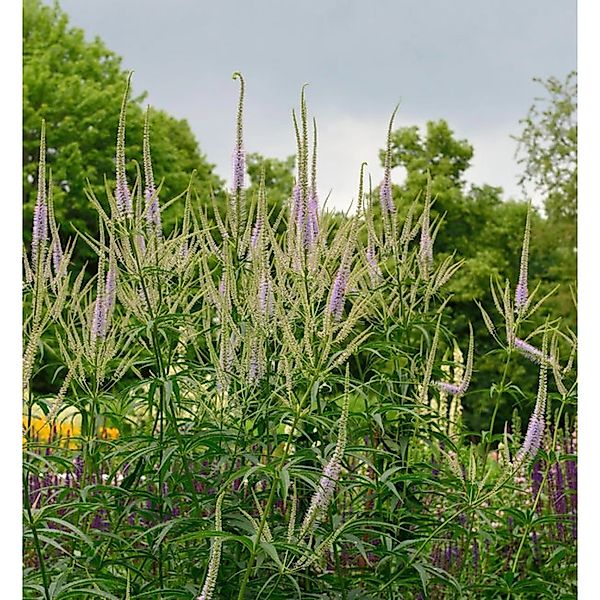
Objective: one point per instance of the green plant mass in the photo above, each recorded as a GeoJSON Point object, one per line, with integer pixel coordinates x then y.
{"type": "Point", "coordinates": [234, 394]}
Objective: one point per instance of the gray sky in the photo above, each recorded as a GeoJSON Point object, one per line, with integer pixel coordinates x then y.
{"type": "Point", "coordinates": [470, 62]}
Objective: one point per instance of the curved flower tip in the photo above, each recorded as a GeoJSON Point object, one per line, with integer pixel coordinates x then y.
{"type": "Point", "coordinates": [531, 352]}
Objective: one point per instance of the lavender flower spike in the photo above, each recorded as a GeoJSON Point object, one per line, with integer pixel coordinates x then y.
{"type": "Point", "coordinates": [57, 251]}
{"type": "Point", "coordinates": [385, 190]}
{"type": "Point", "coordinates": [373, 266]}
{"type": "Point", "coordinates": [99, 319]}
{"type": "Point", "coordinates": [531, 352]}
{"type": "Point", "coordinates": [338, 292]}
{"type": "Point", "coordinates": [151, 195]}
{"type": "Point", "coordinates": [122, 193]}
{"type": "Point", "coordinates": [239, 155]}
{"type": "Point", "coordinates": [111, 287]}
{"type": "Point", "coordinates": [535, 428]}
{"type": "Point", "coordinates": [265, 296]}
{"type": "Point", "coordinates": [40, 213]}
{"type": "Point", "coordinates": [311, 228]}
{"type": "Point", "coordinates": [426, 243]}
{"type": "Point", "coordinates": [521, 291]}
{"type": "Point", "coordinates": [239, 168]}
{"type": "Point", "coordinates": [385, 193]}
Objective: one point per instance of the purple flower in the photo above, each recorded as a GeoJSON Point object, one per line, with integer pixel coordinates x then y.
{"type": "Point", "coordinates": [327, 483]}
{"type": "Point", "coordinates": [521, 292]}
{"type": "Point", "coordinates": [312, 222]}
{"type": "Point", "coordinates": [99, 318]}
{"type": "Point", "coordinates": [449, 388]}
{"type": "Point", "coordinates": [385, 193]}
{"type": "Point", "coordinates": [535, 428]}
{"type": "Point", "coordinates": [239, 168]}
{"type": "Point", "coordinates": [324, 492]}
{"type": "Point", "coordinates": [123, 196]}
{"type": "Point", "coordinates": [40, 225]}
{"type": "Point", "coordinates": [256, 231]}
{"type": "Point", "coordinates": [338, 292]}
{"type": "Point", "coordinates": [78, 464]}
{"type": "Point", "coordinates": [426, 242]}
{"type": "Point", "coordinates": [385, 189]}
{"type": "Point", "coordinates": [57, 254]}
{"type": "Point", "coordinates": [39, 234]}
{"type": "Point", "coordinates": [111, 287]}
{"type": "Point", "coordinates": [531, 352]}
{"type": "Point", "coordinates": [152, 205]}
{"type": "Point", "coordinates": [255, 363]}
{"type": "Point", "coordinates": [571, 476]}
{"type": "Point", "coordinates": [475, 555]}
{"type": "Point", "coordinates": [122, 193]}
{"type": "Point", "coordinates": [153, 210]}
{"type": "Point", "coordinates": [297, 215]}
{"type": "Point", "coordinates": [533, 437]}
{"type": "Point", "coordinates": [559, 499]}
{"type": "Point", "coordinates": [372, 264]}
{"type": "Point", "coordinates": [265, 296]}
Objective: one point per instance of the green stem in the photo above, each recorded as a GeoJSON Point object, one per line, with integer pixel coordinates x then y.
{"type": "Point", "coordinates": [497, 404]}
{"type": "Point", "coordinates": [36, 541]}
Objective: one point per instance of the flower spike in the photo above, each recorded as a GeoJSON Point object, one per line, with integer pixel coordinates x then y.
{"type": "Point", "coordinates": [122, 193]}
{"type": "Point", "coordinates": [521, 292]}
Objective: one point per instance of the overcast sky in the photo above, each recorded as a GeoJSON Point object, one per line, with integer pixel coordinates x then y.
{"type": "Point", "coordinates": [470, 62]}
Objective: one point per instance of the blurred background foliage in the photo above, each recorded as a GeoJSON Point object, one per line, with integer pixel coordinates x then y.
{"type": "Point", "coordinates": [76, 86]}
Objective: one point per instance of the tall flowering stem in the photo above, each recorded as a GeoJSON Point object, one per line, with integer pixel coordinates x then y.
{"type": "Point", "coordinates": [521, 291]}
{"type": "Point", "coordinates": [426, 242]}
{"type": "Point", "coordinates": [331, 473]}
{"type": "Point", "coordinates": [340, 283]}
{"type": "Point", "coordinates": [122, 193]}
{"type": "Point", "coordinates": [40, 214]}
{"type": "Point", "coordinates": [56, 247]}
{"type": "Point", "coordinates": [151, 195]}
{"type": "Point", "coordinates": [311, 226]}
{"type": "Point", "coordinates": [385, 190]}
{"type": "Point", "coordinates": [239, 165]}
{"type": "Point", "coordinates": [304, 222]}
